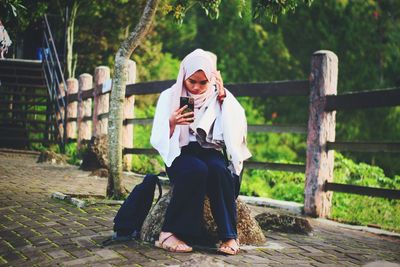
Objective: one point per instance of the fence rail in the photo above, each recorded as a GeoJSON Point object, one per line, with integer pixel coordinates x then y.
{"type": "Point", "coordinates": [248, 164]}
{"type": "Point", "coordinates": [362, 190]}
{"type": "Point", "coordinates": [273, 166]}
{"type": "Point", "coordinates": [261, 128]}
{"type": "Point", "coordinates": [277, 88]}
{"type": "Point", "coordinates": [364, 146]}
{"type": "Point", "coordinates": [359, 100]}
{"type": "Point", "coordinates": [367, 99]}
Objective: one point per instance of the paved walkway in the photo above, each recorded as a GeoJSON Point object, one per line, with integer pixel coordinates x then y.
{"type": "Point", "coordinates": [38, 230]}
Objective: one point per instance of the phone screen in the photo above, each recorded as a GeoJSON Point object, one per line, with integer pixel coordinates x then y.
{"type": "Point", "coordinates": [189, 101]}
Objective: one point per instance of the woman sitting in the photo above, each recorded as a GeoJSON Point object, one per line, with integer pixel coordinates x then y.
{"type": "Point", "coordinates": [191, 145]}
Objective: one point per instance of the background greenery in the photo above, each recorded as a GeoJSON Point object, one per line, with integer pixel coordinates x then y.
{"type": "Point", "coordinates": [364, 34]}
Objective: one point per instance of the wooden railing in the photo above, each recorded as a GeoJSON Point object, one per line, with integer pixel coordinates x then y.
{"type": "Point", "coordinates": [282, 88]}
{"type": "Point", "coordinates": [321, 90]}
{"type": "Point", "coordinates": [359, 100]}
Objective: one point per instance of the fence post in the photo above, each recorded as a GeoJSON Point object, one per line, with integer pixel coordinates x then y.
{"type": "Point", "coordinates": [321, 128]}
{"type": "Point", "coordinates": [84, 109]}
{"type": "Point", "coordinates": [127, 130]}
{"type": "Point", "coordinates": [101, 101]}
{"type": "Point", "coordinates": [72, 108]}
{"type": "Point", "coordinates": [60, 112]}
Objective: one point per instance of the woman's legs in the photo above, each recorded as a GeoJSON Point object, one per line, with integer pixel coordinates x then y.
{"type": "Point", "coordinates": [194, 173]}
{"type": "Point", "coordinates": [221, 192]}
{"type": "Point", "coordinates": [188, 175]}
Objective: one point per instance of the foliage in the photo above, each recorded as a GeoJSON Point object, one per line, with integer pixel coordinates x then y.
{"type": "Point", "coordinates": [365, 36]}
{"type": "Point", "coordinates": [273, 184]}
{"type": "Point", "coordinates": [273, 9]}
{"type": "Point", "coordinates": [348, 208]}
{"type": "Point", "coordinates": [364, 210]}
{"type": "Point", "coordinates": [269, 9]}
{"type": "Point", "coordinates": [74, 155]}
{"type": "Point", "coordinates": [153, 64]}
{"type": "Point", "coordinates": [101, 27]}
{"type": "Point", "coordinates": [11, 9]}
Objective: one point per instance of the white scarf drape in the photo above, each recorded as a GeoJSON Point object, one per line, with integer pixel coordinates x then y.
{"type": "Point", "coordinates": [231, 119]}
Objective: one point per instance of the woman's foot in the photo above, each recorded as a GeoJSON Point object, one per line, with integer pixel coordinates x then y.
{"type": "Point", "coordinates": [168, 241]}
{"type": "Point", "coordinates": [229, 247]}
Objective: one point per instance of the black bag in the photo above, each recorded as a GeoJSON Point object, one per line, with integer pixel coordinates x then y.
{"type": "Point", "coordinates": [132, 213]}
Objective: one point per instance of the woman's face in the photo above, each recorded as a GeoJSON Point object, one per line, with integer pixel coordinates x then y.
{"type": "Point", "coordinates": [197, 83]}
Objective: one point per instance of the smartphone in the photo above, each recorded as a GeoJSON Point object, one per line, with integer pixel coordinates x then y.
{"type": "Point", "coordinates": [189, 101]}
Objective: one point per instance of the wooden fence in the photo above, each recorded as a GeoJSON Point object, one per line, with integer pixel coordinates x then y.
{"type": "Point", "coordinates": [83, 123]}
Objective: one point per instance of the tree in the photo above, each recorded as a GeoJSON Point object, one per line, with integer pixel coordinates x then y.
{"type": "Point", "coordinates": [71, 56]}
{"type": "Point", "coordinates": [114, 187]}
{"type": "Point", "coordinates": [178, 9]}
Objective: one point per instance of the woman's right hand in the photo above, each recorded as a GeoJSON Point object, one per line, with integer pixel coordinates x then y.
{"type": "Point", "coordinates": [179, 118]}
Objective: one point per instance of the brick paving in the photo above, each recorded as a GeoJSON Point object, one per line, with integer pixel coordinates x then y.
{"type": "Point", "coordinates": [36, 230]}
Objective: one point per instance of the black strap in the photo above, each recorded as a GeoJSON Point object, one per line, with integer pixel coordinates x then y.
{"type": "Point", "coordinates": [159, 190]}
{"type": "Point", "coordinates": [225, 155]}
{"type": "Point", "coordinates": [163, 174]}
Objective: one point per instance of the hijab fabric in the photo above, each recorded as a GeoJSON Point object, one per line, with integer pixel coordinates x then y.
{"type": "Point", "coordinates": [193, 62]}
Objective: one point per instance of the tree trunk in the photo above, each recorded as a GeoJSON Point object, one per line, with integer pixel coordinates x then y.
{"type": "Point", "coordinates": [71, 59]}
{"type": "Point", "coordinates": [114, 188]}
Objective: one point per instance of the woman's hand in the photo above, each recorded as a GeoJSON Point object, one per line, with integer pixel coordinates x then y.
{"type": "Point", "coordinates": [220, 86]}
{"type": "Point", "coordinates": [179, 118]}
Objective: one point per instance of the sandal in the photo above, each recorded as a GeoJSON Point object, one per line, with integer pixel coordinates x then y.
{"type": "Point", "coordinates": [174, 247]}
{"type": "Point", "coordinates": [229, 249]}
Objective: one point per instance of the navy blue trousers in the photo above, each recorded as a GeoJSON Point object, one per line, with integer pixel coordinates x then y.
{"type": "Point", "coordinates": [195, 173]}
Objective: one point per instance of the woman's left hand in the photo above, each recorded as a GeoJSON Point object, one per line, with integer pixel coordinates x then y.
{"type": "Point", "coordinates": [220, 86]}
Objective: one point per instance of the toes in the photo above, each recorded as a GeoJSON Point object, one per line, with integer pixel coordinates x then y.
{"type": "Point", "coordinates": [182, 246]}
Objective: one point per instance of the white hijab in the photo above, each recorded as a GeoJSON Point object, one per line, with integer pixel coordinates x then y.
{"type": "Point", "coordinates": [193, 62]}
{"type": "Point", "coordinates": [232, 125]}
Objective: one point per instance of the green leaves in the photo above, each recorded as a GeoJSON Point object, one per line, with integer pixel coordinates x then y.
{"type": "Point", "coordinates": [178, 9]}
{"type": "Point", "coordinates": [272, 9]}
{"type": "Point", "coordinates": [211, 7]}
{"type": "Point", "coordinates": [11, 8]}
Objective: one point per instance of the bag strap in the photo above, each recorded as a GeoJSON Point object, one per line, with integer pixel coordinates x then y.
{"type": "Point", "coordinates": [225, 155]}
{"type": "Point", "coordinates": [163, 174]}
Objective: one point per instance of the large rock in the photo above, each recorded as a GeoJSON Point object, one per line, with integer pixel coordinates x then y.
{"type": "Point", "coordinates": [155, 219]}
{"type": "Point", "coordinates": [96, 156]}
{"type": "Point", "coordinates": [249, 232]}
{"type": "Point", "coordinates": [282, 221]}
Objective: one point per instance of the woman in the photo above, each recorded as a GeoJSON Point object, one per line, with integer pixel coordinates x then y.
{"type": "Point", "coordinates": [191, 146]}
